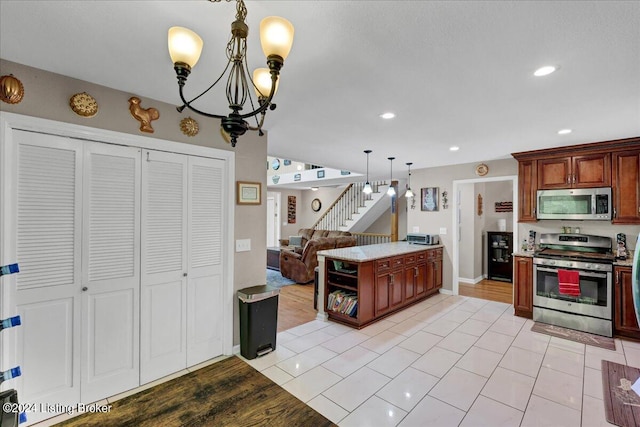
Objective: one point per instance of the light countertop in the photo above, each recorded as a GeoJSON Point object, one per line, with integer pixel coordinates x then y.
{"type": "Point", "coordinates": [371, 252]}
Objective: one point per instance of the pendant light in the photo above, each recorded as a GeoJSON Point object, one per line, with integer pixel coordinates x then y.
{"type": "Point", "coordinates": [391, 191]}
{"type": "Point", "coordinates": [367, 187]}
{"type": "Point", "coordinates": [409, 192]}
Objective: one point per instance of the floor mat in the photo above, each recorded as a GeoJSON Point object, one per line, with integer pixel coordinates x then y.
{"type": "Point", "coordinates": [573, 335]}
{"type": "Point", "coordinates": [621, 404]}
{"type": "Point", "coordinates": [275, 279]}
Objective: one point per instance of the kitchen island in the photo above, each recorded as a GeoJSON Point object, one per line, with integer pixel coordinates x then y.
{"type": "Point", "coordinates": [361, 284]}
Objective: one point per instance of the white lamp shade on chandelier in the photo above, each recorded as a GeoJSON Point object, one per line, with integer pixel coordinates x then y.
{"type": "Point", "coordinates": [184, 46]}
{"type": "Point", "coordinates": [276, 36]}
{"type": "Point", "coordinates": [367, 186]}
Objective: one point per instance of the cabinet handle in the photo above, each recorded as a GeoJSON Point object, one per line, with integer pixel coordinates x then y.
{"type": "Point", "coordinates": [569, 179]}
{"type": "Point", "coordinates": [391, 279]}
{"type": "Point", "coordinates": [85, 289]}
{"type": "Point", "coordinates": [415, 271]}
{"type": "Point", "coordinates": [574, 179]}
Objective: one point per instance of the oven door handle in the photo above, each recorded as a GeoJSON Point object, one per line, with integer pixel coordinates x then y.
{"type": "Point", "coordinates": [555, 270]}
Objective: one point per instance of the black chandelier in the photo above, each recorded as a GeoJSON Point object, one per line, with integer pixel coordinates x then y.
{"type": "Point", "coordinates": [276, 37]}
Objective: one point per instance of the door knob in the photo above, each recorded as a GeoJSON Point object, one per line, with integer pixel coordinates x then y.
{"type": "Point", "coordinates": [184, 274]}
{"type": "Point", "coordinates": [84, 289]}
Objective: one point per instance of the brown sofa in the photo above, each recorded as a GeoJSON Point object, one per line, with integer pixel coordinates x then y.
{"type": "Point", "coordinates": [307, 234]}
{"type": "Point", "coordinates": [300, 266]}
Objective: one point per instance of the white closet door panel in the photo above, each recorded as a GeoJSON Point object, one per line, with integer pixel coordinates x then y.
{"type": "Point", "coordinates": [204, 318]}
{"type": "Point", "coordinates": [164, 265]}
{"type": "Point", "coordinates": [48, 245]}
{"type": "Point", "coordinates": [111, 270]}
{"type": "Point", "coordinates": [207, 186]}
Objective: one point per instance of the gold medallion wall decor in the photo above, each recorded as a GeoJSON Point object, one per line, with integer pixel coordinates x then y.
{"type": "Point", "coordinates": [189, 126]}
{"type": "Point", "coordinates": [482, 169]}
{"type": "Point", "coordinates": [143, 115]}
{"type": "Point", "coordinates": [84, 104]}
{"type": "Point", "coordinates": [11, 89]}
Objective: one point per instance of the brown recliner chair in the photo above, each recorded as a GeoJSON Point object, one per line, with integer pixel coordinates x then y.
{"type": "Point", "coordinates": [300, 267]}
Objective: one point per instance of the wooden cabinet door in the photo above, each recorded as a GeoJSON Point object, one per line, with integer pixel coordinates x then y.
{"type": "Point", "coordinates": [626, 187]}
{"type": "Point", "coordinates": [383, 288]}
{"type": "Point", "coordinates": [421, 279]}
{"type": "Point", "coordinates": [591, 171]}
{"type": "Point", "coordinates": [523, 286]}
{"type": "Point", "coordinates": [527, 190]}
{"type": "Point", "coordinates": [554, 173]}
{"type": "Point", "coordinates": [625, 322]}
{"type": "Point", "coordinates": [410, 279]}
{"type": "Point", "coordinates": [437, 273]}
{"type": "Point", "coordinates": [396, 293]}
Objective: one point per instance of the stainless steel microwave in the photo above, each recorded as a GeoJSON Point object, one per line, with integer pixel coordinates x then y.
{"type": "Point", "coordinates": [577, 203]}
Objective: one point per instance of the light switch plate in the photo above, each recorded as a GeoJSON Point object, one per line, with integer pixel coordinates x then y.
{"type": "Point", "coordinates": [243, 245]}
{"type": "Point", "coordinates": [443, 230]}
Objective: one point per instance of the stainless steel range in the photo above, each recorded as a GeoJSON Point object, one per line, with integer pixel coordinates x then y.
{"type": "Point", "coordinates": [587, 305]}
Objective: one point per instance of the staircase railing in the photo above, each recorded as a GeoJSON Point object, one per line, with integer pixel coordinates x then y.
{"type": "Point", "coordinates": [346, 204]}
{"type": "Point", "coordinates": [371, 238]}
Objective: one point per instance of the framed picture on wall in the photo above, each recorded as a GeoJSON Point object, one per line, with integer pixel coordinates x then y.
{"type": "Point", "coordinates": [320, 173]}
{"type": "Point", "coordinates": [429, 199]}
{"type": "Point", "coordinates": [248, 193]}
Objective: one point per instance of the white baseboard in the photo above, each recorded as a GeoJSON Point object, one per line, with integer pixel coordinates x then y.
{"type": "Point", "coordinates": [471, 281]}
{"type": "Point", "coordinates": [446, 291]}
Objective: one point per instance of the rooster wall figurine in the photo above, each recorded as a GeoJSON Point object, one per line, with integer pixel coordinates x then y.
{"type": "Point", "coordinates": [144, 116]}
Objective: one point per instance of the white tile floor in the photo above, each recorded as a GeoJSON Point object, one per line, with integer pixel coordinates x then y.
{"type": "Point", "coordinates": [447, 361]}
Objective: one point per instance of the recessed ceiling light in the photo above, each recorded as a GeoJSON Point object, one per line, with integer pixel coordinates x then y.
{"type": "Point", "coordinates": [387, 115]}
{"type": "Point", "coordinates": [564, 131]}
{"type": "Point", "coordinates": [544, 71]}
{"type": "Point", "coordinates": [314, 188]}
{"type": "Point", "coordinates": [454, 148]}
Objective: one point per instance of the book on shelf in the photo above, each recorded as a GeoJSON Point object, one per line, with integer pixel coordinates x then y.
{"type": "Point", "coordinates": [343, 302]}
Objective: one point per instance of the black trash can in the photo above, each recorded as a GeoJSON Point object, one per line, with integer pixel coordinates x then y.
{"type": "Point", "coordinates": [258, 320]}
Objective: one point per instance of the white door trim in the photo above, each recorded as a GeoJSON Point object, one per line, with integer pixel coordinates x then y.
{"type": "Point", "coordinates": [454, 219]}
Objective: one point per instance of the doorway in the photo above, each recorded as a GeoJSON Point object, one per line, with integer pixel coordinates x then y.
{"type": "Point", "coordinates": [273, 219]}
{"type": "Point", "coordinates": [464, 204]}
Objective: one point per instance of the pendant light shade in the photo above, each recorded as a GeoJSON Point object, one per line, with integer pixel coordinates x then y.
{"type": "Point", "coordinates": [367, 186]}
{"type": "Point", "coordinates": [391, 191]}
{"type": "Point", "coordinates": [409, 192]}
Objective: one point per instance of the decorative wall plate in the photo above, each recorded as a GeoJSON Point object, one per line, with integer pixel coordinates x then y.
{"type": "Point", "coordinates": [84, 104]}
{"type": "Point", "coordinates": [189, 126]}
{"type": "Point", "coordinates": [482, 169]}
{"type": "Point", "coordinates": [11, 89]}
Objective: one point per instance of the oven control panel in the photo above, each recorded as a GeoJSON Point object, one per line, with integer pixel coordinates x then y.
{"type": "Point", "coordinates": [578, 265]}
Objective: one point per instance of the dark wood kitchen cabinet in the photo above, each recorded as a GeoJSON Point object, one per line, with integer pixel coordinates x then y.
{"type": "Point", "coordinates": [523, 286]}
{"type": "Point", "coordinates": [625, 323]}
{"type": "Point", "coordinates": [527, 190]}
{"type": "Point", "coordinates": [626, 187]}
{"type": "Point", "coordinates": [381, 285]}
{"type": "Point", "coordinates": [389, 283]}
{"type": "Point", "coordinates": [581, 171]}
{"type": "Point", "coordinates": [613, 164]}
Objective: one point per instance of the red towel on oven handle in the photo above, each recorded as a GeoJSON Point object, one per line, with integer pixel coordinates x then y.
{"type": "Point", "coordinates": [569, 282]}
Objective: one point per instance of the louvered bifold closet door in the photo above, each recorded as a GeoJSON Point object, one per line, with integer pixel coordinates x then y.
{"type": "Point", "coordinates": [207, 190]}
{"type": "Point", "coordinates": [163, 298]}
{"type": "Point", "coordinates": [48, 237]}
{"type": "Point", "coordinates": [111, 270]}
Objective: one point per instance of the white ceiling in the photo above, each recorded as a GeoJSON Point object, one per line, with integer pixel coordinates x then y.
{"type": "Point", "coordinates": [455, 72]}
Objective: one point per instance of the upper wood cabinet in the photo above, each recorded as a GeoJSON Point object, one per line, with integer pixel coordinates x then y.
{"type": "Point", "coordinates": [583, 171]}
{"type": "Point", "coordinates": [527, 185]}
{"type": "Point", "coordinates": [626, 187]}
{"type": "Point", "coordinates": [613, 164]}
